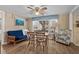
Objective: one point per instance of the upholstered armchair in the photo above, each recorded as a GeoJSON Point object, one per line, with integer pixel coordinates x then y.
{"type": "Point", "coordinates": [63, 36]}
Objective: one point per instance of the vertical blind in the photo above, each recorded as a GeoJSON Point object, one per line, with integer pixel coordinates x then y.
{"type": "Point", "coordinates": [42, 18]}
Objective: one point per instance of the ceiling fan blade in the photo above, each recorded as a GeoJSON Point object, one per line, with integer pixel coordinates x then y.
{"type": "Point", "coordinates": [29, 7]}
{"type": "Point", "coordinates": [44, 8]}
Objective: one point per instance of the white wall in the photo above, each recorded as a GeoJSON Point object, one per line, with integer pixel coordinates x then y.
{"type": "Point", "coordinates": [2, 26]}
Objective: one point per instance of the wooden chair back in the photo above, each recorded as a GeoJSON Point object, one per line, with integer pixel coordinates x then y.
{"type": "Point", "coordinates": [41, 37]}
{"type": "Point", "coordinates": [31, 35]}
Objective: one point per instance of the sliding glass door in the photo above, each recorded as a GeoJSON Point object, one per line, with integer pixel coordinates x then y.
{"type": "Point", "coordinates": [49, 26]}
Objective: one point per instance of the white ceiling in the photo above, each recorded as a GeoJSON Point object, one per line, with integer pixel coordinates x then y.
{"type": "Point", "coordinates": [51, 9]}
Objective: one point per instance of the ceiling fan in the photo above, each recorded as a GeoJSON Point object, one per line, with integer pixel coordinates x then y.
{"type": "Point", "coordinates": [38, 10]}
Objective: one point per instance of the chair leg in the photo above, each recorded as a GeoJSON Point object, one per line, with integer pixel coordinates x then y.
{"type": "Point", "coordinates": [8, 42]}
{"type": "Point", "coordinates": [14, 43]}
{"type": "Point", "coordinates": [43, 49]}
{"type": "Point", "coordinates": [28, 44]}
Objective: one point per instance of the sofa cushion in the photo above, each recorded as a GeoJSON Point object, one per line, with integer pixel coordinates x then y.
{"type": "Point", "coordinates": [21, 37]}
{"type": "Point", "coordinates": [15, 33]}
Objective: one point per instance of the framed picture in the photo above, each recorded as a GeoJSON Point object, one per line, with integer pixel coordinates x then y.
{"type": "Point", "coordinates": [19, 21]}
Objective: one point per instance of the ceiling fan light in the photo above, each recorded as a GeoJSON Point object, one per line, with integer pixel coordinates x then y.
{"type": "Point", "coordinates": [37, 13]}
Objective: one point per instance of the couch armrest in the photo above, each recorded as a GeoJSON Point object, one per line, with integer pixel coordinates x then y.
{"type": "Point", "coordinates": [11, 38]}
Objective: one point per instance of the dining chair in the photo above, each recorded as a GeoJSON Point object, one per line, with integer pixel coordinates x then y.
{"type": "Point", "coordinates": [31, 38]}
{"type": "Point", "coordinates": [41, 39]}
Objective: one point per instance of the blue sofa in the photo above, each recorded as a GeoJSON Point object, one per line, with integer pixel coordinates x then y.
{"type": "Point", "coordinates": [17, 35]}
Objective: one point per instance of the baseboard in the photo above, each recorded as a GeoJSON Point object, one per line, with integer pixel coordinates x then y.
{"type": "Point", "coordinates": [75, 44]}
